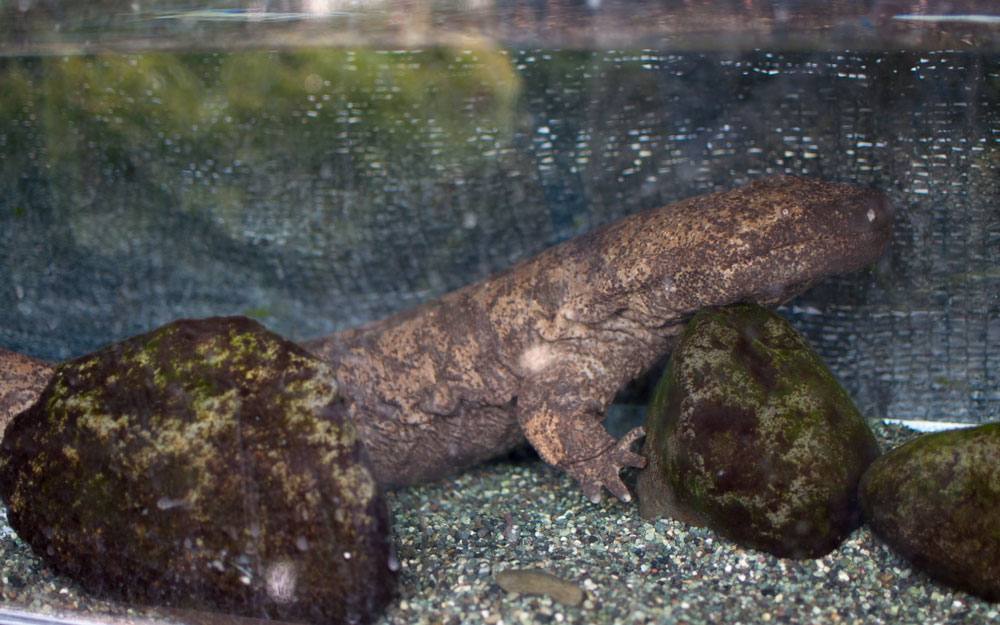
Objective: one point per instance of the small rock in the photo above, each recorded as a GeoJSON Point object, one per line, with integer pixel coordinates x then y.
{"type": "Point", "coordinates": [936, 501]}
{"type": "Point", "coordinates": [750, 434]}
{"type": "Point", "coordinates": [533, 582]}
{"type": "Point", "coordinates": [206, 464]}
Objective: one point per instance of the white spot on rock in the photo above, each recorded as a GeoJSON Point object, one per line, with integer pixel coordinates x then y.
{"type": "Point", "coordinates": [166, 503]}
{"type": "Point", "coordinates": [281, 577]}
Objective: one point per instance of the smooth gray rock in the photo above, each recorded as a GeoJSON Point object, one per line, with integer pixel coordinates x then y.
{"type": "Point", "coordinates": [750, 434]}
{"type": "Point", "coordinates": [206, 464]}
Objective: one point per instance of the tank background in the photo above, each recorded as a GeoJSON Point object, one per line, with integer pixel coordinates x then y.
{"type": "Point", "coordinates": [336, 186]}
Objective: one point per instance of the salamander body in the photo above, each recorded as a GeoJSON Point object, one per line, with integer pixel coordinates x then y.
{"type": "Point", "coordinates": [538, 351]}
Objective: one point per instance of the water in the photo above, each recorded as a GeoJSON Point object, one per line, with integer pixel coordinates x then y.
{"type": "Point", "coordinates": [339, 186]}
{"type": "Point", "coordinates": [318, 166]}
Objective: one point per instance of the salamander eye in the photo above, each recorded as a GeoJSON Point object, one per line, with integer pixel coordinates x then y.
{"type": "Point", "coordinates": [782, 211]}
{"type": "Point", "coordinates": [871, 215]}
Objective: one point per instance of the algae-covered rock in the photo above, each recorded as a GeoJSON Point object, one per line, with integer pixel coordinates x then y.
{"type": "Point", "coordinates": [205, 464]}
{"type": "Point", "coordinates": [936, 501]}
{"type": "Point", "coordinates": [750, 434]}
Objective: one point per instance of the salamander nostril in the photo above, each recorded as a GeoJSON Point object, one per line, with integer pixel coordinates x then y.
{"type": "Point", "coordinates": [880, 211]}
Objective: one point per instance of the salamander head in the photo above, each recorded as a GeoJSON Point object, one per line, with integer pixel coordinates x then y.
{"type": "Point", "coordinates": [765, 243]}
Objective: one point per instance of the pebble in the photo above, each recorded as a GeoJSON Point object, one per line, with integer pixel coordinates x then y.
{"type": "Point", "coordinates": [131, 473]}
{"type": "Point", "coordinates": [687, 565]}
{"type": "Point", "coordinates": [749, 433]}
{"type": "Point", "coordinates": [935, 501]}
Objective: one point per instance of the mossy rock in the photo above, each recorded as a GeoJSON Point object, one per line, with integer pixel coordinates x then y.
{"type": "Point", "coordinates": [936, 501]}
{"type": "Point", "coordinates": [206, 464]}
{"type": "Point", "coordinates": [750, 434]}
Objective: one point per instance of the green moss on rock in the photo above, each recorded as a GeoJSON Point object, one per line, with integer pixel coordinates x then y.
{"type": "Point", "coordinates": [936, 501]}
{"type": "Point", "coordinates": [750, 434]}
{"type": "Point", "coordinates": [205, 464]}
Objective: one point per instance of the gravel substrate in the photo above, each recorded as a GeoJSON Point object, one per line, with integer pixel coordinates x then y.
{"type": "Point", "coordinates": [454, 536]}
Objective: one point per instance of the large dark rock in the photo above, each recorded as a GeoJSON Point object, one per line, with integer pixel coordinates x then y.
{"type": "Point", "coordinates": [750, 434]}
{"type": "Point", "coordinates": [205, 464]}
{"type": "Point", "coordinates": [936, 501]}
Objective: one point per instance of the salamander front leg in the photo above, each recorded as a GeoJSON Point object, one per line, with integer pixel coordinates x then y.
{"type": "Point", "coordinates": [604, 468]}
{"type": "Point", "coordinates": [579, 445]}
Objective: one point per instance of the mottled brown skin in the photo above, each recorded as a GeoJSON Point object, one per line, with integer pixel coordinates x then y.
{"type": "Point", "coordinates": [22, 380]}
{"type": "Point", "coordinates": [539, 350]}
